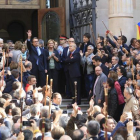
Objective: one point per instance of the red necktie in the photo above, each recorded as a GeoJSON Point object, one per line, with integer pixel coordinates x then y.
{"type": "Point", "coordinates": [70, 55]}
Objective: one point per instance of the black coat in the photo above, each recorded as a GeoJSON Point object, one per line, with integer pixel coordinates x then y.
{"type": "Point", "coordinates": [112, 102]}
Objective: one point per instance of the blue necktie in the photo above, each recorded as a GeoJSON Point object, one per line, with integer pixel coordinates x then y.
{"type": "Point", "coordinates": [39, 53]}
{"type": "Point", "coordinates": [84, 49]}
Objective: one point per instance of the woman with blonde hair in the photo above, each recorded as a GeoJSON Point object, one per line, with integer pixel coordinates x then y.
{"type": "Point", "coordinates": [53, 64]}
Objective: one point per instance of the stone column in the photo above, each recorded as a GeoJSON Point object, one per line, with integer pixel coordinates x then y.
{"type": "Point", "coordinates": [121, 17]}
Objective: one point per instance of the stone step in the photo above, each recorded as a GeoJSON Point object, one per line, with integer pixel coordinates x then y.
{"type": "Point", "coordinates": [70, 111]}
{"type": "Point", "coordinates": [68, 101]}
{"type": "Point", "coordinates": [82, 106]}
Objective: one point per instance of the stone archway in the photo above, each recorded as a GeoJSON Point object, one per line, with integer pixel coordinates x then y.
{"type": "Point", "coordinates": [16, 31]}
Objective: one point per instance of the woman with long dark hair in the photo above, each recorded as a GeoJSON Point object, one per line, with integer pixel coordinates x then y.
{"type": "Point", "coordinates": [112, 98]}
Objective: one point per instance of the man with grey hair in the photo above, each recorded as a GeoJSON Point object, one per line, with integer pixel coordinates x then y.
{"type": "Point", "coordinates": [86, 61]}
{"type": "Point", "coordinates": [93, 128]}
{"type": "Point", "coordinates": [114, 65]}
{"type": "Point", "coordinates": [65, 137]}
{"type": "Point", "coordinates": [131, 104]}
{"type": "Point", "coordinates": [73, 62]}
{"type": "Point", "coordinates": [44, 111]}
{"type": "Point", "coordinates": [65, 55]}
{"type": "Point", "coordinates": [35, 112]}
{"type": "Point", "coordinates": [1, 42]}
{"type": "Point", "coordinates": [41, 43]}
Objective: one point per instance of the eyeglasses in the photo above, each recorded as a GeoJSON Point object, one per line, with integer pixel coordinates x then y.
{"type": "Point", "coordinates": [35, 41]}
{"type": "Point", "coordinates": [89, 49]}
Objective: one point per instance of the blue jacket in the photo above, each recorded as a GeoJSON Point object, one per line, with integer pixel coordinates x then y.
{"type": "Point", "coordinates": [34, 57]}
{"type": "Point", "coordinates": [122, 82]}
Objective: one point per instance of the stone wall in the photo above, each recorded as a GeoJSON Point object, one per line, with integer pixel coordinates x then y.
{"type": "Point", "coordinates": [127, 25]}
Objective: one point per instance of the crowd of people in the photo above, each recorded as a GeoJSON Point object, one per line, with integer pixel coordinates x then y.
{"type": "Point", "coordinates": [107, 75]}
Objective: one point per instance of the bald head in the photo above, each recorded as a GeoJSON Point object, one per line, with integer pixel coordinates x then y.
{"type": "Point", "coordinates": [99, 117]}
{"type": "Point", "coordinates": [28, 65]}
{"type": "Point", "coordinates": [98, 70]}
{"type": "Point", "coordinates": [65, 137]}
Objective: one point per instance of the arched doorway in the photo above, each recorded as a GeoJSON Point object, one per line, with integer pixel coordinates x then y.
{"type": "Point", "coordinates": [51, 23]}
{"type": "Point", "coordinates": [16, 31]}
{"type": "Point", "coordinates": [50, 26]}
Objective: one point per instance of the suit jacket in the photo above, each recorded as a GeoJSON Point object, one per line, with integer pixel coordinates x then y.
{"type": "Point", "coordinates": [89, 62]}
{"type": "Point", "coordinates": [122, 82]}
{"type": "Point", "coordinates": [64, 57]}
{"type": "Point", "coordinates": [46, 55]}
{"type": "Point", "coordinates": [99, 89]}
{"type": "Point", "coordinates": [114, 68]}
{"type": "Point", "coordinates": [104, 69]}
{"type": "Point", "coordinates": [34, 57]}
{"type": "Point", "coordinates": [74, 64]}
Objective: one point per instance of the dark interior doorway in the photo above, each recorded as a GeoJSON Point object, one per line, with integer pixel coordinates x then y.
{"type": "Point", "coordinates": [16, 31]}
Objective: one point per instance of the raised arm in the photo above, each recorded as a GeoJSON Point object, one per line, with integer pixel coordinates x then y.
{"type": "Point", "coordinates": [29, 33]}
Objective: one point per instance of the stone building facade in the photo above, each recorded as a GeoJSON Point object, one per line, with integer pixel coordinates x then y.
{"type": "Point", "coordinates": [118, 14]}
{"type": "Point", "coordinates": [18, 16]}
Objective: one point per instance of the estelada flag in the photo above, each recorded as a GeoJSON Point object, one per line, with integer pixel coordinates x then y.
{"type": "Point", "coordinates": [138, 31]}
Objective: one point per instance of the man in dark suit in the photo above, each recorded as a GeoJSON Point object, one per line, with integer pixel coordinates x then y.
{"type": "Point", "coordinates": [38, 59]}
{"type": "Point", "coordinates": [114, 65]}
{"type": "Point", "coordinates": [73, 62]}
{"type": "Point", "coordinates": [97, 62]}
{"type": "Point", "coordinates": [65, 65]}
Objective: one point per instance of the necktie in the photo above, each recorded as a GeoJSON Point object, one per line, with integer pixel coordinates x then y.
{"type": "Point", "coordinates": [94, 93]}
{"type": "Point", "coordinates": [70, 55]}
{"type": "Point", "coordinates": [39, 53]}
{"type": "Point", "coordinates": [84, 50]}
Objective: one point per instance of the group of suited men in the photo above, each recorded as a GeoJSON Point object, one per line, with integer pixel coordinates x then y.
{"type": "Point", "coordinates": [77, 63]}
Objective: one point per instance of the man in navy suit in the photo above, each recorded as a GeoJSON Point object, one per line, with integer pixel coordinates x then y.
{"type": "Point", "coordinates": [114, 65]}
{"type": "Point", "coordinates": [73, 62]}
{"type": "Point", "coordinates": [38, 59]}
{"type": "Point", "coordinates": [64, 57]}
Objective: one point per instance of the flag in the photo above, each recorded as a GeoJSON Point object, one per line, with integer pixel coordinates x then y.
{"type": "Point", "coordinates": [138, 31]}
